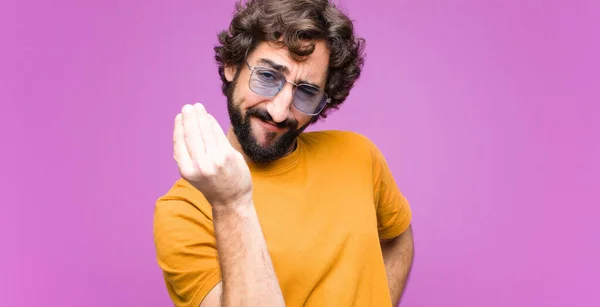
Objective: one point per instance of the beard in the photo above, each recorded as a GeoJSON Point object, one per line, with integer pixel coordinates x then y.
{"type": "Point", "coordinates": [275, 147]}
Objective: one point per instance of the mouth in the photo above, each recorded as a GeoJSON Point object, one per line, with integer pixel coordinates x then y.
{"type": "Point", "coordinates": [269, 126]}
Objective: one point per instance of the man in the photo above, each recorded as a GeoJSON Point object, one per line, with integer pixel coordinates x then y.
{"type": "Point", "coordinates": [269, 215]}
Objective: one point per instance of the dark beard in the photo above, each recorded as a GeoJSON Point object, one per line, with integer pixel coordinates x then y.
{"type": "Point", "coordinates": [243, 131]}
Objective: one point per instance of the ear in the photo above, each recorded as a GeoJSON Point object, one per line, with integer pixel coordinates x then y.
{"type": "Point", "coordinates": [230, 71]}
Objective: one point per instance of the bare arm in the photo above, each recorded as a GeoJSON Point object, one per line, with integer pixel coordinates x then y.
{"type": "Point", "coordinates": [248, 275]}
{"type": "Point", "coordinates": [398, 257]}
{"type": "Point", "coordinates": [206, 159]}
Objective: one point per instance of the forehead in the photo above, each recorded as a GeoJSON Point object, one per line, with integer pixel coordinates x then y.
{"type": "Point", "coordinates": [312, 68]}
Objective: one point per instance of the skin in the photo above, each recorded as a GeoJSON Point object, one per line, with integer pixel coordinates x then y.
{"type": "Point", "coordinates": [398, 256]}
{"type": "Point", "coordinates": [279, 107]}
{"type": "Point", "coordinates": [216, 165]}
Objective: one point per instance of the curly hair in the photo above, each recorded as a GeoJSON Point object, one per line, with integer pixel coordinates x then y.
{"type": "Point", "coordinates": [295, 24]}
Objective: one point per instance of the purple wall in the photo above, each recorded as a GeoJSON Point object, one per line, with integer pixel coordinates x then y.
{"type": "Point", "coordinates": [488, 112]}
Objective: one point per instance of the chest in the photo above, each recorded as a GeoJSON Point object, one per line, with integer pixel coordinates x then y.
{"type": "Point", "coordinates": [312, 223]}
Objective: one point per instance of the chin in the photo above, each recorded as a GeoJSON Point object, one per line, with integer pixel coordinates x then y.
{"type": "Point", "coordinates": [265, 136]}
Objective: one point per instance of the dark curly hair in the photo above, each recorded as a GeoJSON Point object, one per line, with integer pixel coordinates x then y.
{"type": "Point", "coordinates": [295, 24]}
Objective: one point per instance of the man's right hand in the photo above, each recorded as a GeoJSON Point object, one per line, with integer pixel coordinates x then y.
{"type": "Point", "coordinates": [209, 163]}
{"type": "Point", "coordinates": [206, 159]}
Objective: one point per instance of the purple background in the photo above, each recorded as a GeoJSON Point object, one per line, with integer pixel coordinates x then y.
{"type": "Point", "coordinates": [488, 112]}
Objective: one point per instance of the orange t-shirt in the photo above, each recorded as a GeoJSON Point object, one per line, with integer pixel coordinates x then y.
{"type": "Point", "coordinates": [323, 209]}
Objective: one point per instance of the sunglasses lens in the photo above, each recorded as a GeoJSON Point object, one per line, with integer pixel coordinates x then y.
{"type": "Point", "coordinates": [265, 82]}
{"type": "Point", "coordinates": [309, 99]}
{"type": "Point", "coordinates": [268, 83]}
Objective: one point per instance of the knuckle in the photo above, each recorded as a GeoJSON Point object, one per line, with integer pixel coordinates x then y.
{"type": "Point", "coordinates": [219, 162]}
{"type": "Point", "coordinates": [230, 155]}
{"type": "Point", "coordinates": [208, 170]}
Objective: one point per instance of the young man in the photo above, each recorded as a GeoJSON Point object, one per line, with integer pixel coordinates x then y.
{"type": "Point", "coordinates": [269, 215]}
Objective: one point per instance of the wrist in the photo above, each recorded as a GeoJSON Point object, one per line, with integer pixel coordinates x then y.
{"type": "Point", "coordinates": [238, 205]}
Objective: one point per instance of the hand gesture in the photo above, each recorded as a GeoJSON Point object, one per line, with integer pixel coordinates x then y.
{"type": "Point", "coordinates": [206, 159]}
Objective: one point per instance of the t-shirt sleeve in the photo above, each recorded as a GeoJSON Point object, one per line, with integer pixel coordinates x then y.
{"type": "Point", "coordinates": [394, 214]}
{"type": "Point", "coordinates": [185, 244]}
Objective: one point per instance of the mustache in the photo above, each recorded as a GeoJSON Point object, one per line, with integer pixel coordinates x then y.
{"type": "Point", "coordinates": [263, 115]}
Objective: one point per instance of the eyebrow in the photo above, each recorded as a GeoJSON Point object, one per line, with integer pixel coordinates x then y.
{"type": "Point", "coordinates": [283, 69]}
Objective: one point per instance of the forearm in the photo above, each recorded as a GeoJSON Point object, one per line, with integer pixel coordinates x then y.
{"type": "Point", "coordinates": [398, 258]}
{"type": "Point", "coordinates": [248, 277]}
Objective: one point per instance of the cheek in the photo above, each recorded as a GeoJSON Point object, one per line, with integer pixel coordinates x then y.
{"type": "Point", "coordinates": [252, 100]}
{"type": "Point", "coordinates": [246, 98]}
{"type": "Point", "coordinates": [302, 118]}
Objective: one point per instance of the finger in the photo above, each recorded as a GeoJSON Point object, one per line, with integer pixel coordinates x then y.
{"type": "Point", "coordinates": [193, 138]}
{"type": "Point", "coordinates": [208, 136]}
{"type": "Point", "coordinates": [180, 152]}
{"type": "Point", "coordinates": [220, 137]}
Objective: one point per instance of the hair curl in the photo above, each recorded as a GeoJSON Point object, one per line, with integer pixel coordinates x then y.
{"type": "Point", "coordinates": [295, 24]}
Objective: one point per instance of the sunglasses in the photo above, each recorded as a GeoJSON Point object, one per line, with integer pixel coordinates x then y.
{"type": "Point", "coordinates": [268, 82]}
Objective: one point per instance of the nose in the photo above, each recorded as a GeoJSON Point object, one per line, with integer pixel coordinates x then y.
{"type": "Point", "coordinates": [279, 106]}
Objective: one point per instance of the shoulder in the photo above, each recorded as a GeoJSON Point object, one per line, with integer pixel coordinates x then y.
{"type": "Point", "coordinates": [348, 142]}
{"type": "Point", "coordinates": [344, 138]}
{"type": "Point", "coordinates": [181, 201]}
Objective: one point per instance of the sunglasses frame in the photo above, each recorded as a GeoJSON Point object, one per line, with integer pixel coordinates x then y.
{"type": "Point", "coordinates": [278, 73]}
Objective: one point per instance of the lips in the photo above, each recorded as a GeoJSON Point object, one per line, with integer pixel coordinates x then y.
{"type": "Point", "coordinates": [269, 125]}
